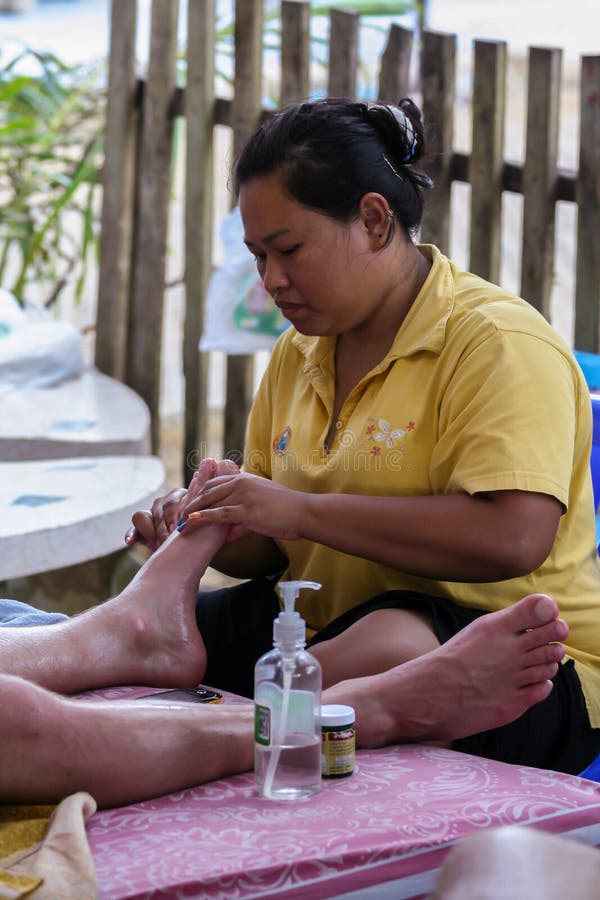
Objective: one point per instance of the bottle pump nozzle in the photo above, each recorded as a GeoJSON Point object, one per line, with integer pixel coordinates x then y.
{"type": "Point", "coordinates": [289, 627]}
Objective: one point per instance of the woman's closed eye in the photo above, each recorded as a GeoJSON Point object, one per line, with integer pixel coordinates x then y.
{"type": "Point", "coordinates": [283, 251]}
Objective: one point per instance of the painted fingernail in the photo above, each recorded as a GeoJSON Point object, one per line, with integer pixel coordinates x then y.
{"type": "Point", "coordinates": [195, 515]}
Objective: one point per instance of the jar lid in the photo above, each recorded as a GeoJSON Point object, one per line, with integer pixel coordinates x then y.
{"type": "Point", "coordinates": [336, 714]}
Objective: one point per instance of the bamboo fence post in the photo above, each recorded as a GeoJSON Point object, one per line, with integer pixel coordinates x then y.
{"type": "Point", "coordinates": [587, 293]}
{"type": "Point", "coordinates": [153, 186]}
{"type": "Point", "coordinates": [486, 163]}
{"type": "Point", "coordinates": [245, 114]}
{"type": "Point", "coordinates": [438, 75]}
{"type": "Point", "coordinates": [117, 194]}
{"type": "Point", "coordinates": [539, 177]}
{"type": "Point", "coordinates": [394, 72]}
{"type": "Point", "coordinates": [199, 198]}
{"type": "Point", "coordinates": [295, 51]}
{"type": "Point", "coordinates": [343, 53]}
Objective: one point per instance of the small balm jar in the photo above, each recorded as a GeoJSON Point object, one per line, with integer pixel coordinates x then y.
{"type": "Point", "coordinates": [337, 741]}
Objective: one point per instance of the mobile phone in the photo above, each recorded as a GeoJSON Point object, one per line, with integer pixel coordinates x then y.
{"type": "Point", "coordinates": [181, 695]}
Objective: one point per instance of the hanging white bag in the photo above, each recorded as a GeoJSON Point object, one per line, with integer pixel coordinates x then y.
{"type": "Point", "coordinates": [240, 315]}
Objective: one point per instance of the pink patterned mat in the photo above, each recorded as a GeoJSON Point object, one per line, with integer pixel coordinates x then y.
{"type": "Point", "coordinates": [393, 820]}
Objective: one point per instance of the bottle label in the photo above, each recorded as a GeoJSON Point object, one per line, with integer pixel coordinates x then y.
{"type": "Point", "coordinates": [262, 725]}
{"type": "Point", "coordinates": [268, 704]}
{"type": "Point", "coordinates": [338, 750]}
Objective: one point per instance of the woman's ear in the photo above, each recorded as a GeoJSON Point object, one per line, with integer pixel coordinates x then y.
{"type": "Point", "coordinates": [374, 213]}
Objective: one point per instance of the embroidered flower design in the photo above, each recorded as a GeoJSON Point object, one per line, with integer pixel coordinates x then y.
{"type": "Point", "coordinates": [380, 432]}
{"type": "Point", "coordinates": [387, 435]}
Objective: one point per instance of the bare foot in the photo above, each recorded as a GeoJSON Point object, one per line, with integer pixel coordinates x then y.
{"type": "Point", "coordinates": [486, 676]}
{"type": "Point", "coordinates": [148, 634]}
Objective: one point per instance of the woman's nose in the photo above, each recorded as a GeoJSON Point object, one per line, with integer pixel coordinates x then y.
{"type": "Point", "coordinates": [274, 277]}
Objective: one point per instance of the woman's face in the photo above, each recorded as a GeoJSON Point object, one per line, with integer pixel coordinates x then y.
{"type": "Point", "coordinates": [314, 267]}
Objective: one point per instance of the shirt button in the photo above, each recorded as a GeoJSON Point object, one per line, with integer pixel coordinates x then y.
{"type": "Point", "coordinates": [338, 424]}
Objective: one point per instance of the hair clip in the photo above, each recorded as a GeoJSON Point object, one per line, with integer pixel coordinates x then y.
{"type": "Point", "coordinates": [393, 168]}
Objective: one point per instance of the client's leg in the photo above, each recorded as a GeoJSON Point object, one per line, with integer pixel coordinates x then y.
{"type": "Point", "coordinates": [487, 675]}
{"type": "Point", "coordinates": [146, 635]}
{"type": "Point", "coordinates": [52, 746]}
{"type": "Point", "coordinates": [512, 861]}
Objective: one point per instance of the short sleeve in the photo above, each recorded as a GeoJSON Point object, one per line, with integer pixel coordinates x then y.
{"type": "Point", "coordinates": [507, 419]}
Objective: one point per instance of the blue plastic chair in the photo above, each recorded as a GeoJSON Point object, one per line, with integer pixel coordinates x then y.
{"type": "Point", "coordinates": [589, 364]}
{"type": "Point", "coordinates": [593, 770]}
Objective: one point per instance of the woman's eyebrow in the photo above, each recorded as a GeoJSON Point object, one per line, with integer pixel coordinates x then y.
{"type": "Point", "coordinates": [269, 237]}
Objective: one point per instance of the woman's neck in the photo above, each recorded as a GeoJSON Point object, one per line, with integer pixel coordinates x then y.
{"type": "Point", "coordinates": [402, 281]}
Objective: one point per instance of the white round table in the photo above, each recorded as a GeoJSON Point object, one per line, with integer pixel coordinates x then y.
{"type": "Point", "coordinates": [90, 415]}
{"type": "Point", "coordinates": [56, 513]}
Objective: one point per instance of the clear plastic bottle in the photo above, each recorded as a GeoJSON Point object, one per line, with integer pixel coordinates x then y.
{"type": "Point", "coordinates": [287, 703]}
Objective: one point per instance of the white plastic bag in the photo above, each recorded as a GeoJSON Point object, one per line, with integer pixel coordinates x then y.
{"type": "Point", "coordinates": [36, 351]}
{"type": "Point", "coordinates": [240, 316]}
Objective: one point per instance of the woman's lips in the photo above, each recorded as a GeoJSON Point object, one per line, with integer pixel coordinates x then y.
{"type": "Point", "coordinates": [288, 309]}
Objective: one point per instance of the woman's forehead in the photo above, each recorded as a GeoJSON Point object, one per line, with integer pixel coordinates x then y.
{"type": "Point", "coordinates": [262, 190]}
{"type": "Point", "coordinates": [266, 209]}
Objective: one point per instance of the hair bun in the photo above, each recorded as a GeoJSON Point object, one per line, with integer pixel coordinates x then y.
{"type": "Point", "coordinates": [399, 121]}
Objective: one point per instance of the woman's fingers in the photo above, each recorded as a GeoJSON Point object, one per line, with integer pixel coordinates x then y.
{"type": "Point", "coordinates": [153, 526]}
{"type": "Point", "coordinates": [255, 503]}
{"type": "Point", "coordinates": [166, 512]}
{"type": "Point", "coordinates": [142, 530]}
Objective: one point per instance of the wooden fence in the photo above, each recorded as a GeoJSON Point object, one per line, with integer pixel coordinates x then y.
{"type": "Point", "coordinates": [139, 136]}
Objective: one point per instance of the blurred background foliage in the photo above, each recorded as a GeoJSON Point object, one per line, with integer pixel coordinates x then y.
{"type": "Point", "coordinates": [51, 123]}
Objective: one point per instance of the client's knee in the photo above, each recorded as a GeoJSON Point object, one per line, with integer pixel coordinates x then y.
{"type": "Point", "coordinates": [514, 861]}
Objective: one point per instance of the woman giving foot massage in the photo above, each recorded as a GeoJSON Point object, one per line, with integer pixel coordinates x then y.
{"type": "Point", "coordinates": [419, 444]}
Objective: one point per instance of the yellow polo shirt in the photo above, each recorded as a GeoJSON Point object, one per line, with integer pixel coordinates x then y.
{"type": "Point", "coordinates": [477, 393]}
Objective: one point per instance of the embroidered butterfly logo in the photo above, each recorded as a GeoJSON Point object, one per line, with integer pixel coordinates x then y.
{"type": "Point", "coordinates": [388, 435]}
{"type": "Point", "coordinates": [381, 432]}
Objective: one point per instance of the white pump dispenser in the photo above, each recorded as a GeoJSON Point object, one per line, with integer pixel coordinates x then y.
{"type": "Point", "coordinates": [287, 702]}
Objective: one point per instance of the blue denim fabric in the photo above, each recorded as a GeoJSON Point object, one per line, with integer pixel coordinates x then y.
{"type": "Point", "coordinates": [15, 614]}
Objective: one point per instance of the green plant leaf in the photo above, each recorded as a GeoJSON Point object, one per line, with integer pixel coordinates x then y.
{"type": "Point", "coordinates": [366, 7]}
{"type": "Point", "coordinates": [51, 126]}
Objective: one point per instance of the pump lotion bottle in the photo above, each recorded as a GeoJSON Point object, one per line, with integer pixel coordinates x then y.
{"type": "Point", "coordinates": [287, 704]}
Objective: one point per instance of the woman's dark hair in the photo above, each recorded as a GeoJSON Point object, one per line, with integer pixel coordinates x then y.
{"type": "Point", "coordinates": [333, 151]}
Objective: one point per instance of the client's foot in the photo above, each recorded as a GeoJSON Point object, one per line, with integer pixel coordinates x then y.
{"type": "Point", "coordinates": [151, 625]}
{"type": "Point", "coordinates": [486, 676]}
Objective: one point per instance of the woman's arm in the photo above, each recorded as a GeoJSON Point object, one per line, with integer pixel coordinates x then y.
{"type": "Point", "coordinates": [452, 537]}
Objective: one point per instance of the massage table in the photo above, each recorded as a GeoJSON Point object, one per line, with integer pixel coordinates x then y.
{"type": "Point", "coordinates": [381, 833]}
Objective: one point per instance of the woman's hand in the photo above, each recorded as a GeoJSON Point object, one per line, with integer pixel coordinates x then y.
{"type": "Point", "coordinates": [152, 527]}
{"type": "Point", "coordinates": [248, 503]}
